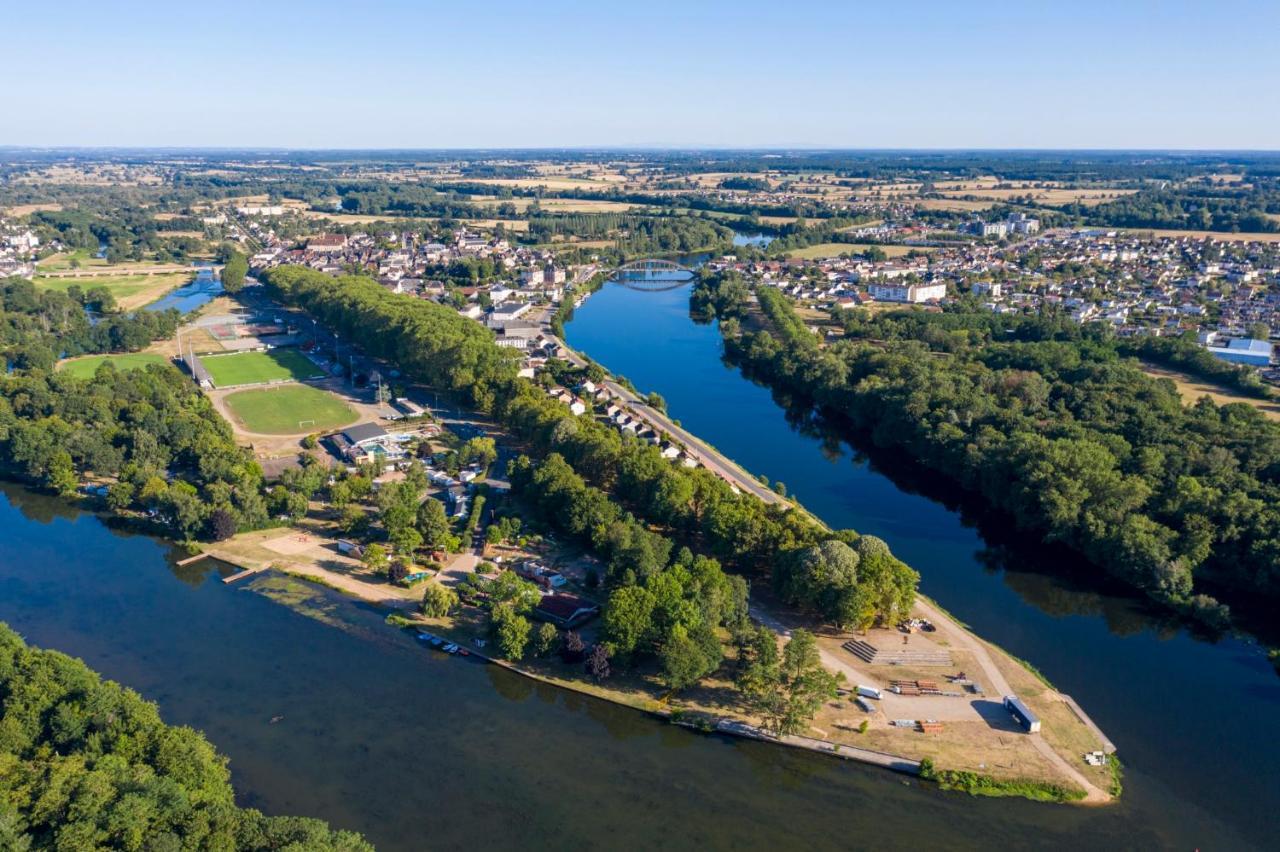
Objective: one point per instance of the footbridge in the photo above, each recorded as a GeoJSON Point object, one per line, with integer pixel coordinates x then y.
{"type": "Point", "coordinates": [652, 274]}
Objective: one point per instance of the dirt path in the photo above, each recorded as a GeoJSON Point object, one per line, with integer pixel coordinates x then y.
{"type": "Point", "coordinates": [371, 592]}
{"type": "Point", "coordinates": [941, 708]}
{"type": "Point", "coordinates": [962, 637]}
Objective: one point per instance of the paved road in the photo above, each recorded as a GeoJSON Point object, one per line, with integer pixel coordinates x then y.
{"type": "Point", "coordinates": [698, 449]}
{"type": "Point", "coordinates": [1001, 686]}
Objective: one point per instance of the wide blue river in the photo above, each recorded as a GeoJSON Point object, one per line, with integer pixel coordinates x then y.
{"type": "Point", "coordinates": [325, 711]}
{"type": "Point", "coordinates": [1194, 720]}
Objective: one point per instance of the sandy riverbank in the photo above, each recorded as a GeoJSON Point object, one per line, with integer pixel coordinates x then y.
{"type": "Point", "coordinates": [977, 735]}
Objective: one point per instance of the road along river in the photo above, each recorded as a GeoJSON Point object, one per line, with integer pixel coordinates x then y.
{"type": "Point", "coordinates": [1191, 717]}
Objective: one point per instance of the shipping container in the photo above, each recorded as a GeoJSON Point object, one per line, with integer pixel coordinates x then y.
{"type": "Point", "coordinates": [1022, 713]}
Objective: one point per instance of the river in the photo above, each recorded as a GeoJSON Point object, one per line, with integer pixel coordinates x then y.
{"type": "Point", "coordinates": [201, 290]}
{"type": "Point", "coordinates": [1192, 719]}
{"type": "Point", "coordinates": [422, 751]}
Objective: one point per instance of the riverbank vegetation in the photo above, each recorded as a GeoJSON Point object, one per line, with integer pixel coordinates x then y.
{"type": "Point", "coordinates": [1048, 422]}
{"type": "Point", "coordinates": [169, 455]}
{"type": "Point", "coordinates": [664, 531]}
{"type": "Point", "coordinates": [38, 327]}
{"type": "Point", "coordinates": [574, 292]}
{"type": "Point", "coordinates": [979, 784]}
{"type": "Point", "coordinates": [167, 458]}
{"type": "Point", "coordinates": [88, 764]}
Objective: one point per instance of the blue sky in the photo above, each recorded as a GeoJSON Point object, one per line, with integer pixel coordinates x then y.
{"type": "Point", "coordinates": [920, 74]}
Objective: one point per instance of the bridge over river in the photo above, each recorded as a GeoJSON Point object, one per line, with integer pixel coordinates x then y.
{"type": "Point", "coordinates": [652, 274]}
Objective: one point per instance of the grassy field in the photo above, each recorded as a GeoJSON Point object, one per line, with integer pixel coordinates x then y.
{"type": "Point", "coordinates": [548, 182]}
{"type": "Point", "coordinates": [289, 410]}
{"type": "Point", "coordinates": [1052, 197]}
{"type": "Point", "coordinates": [28, 209]}
{"type": "Point", "coordinates": [83, 368]}
{"type": "Point", "coordinates": [837, 249]}
{"type": "Point", "coordinates": [954, 204]}
{"type": "Point", "coordinates": [130, 291]}
{"type": "Point", "coordinates": [1217, 236]}
{"type": "Point", "coordinates": [1191, 389]}
{"type": "Point", "coordinates": [85, 261]}
{"type": "Point", "coordinates": [251, 368]}
{"type": "Point", "coordinates": [61, 261]}
{"type": "Point", "coordinates": [562, 205]}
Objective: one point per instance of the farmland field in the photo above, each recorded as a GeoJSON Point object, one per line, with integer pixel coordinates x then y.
{"type": "Point", "coordinates": [1051, 197]}
{"type": "Point", "coordinates": [288, 410]}
{"type": "Point", "coordinates": [836, 249]}
{"type": "Point", "coordinates": [1216, 236]}
{"type": "Point", "coordinates": [251, 368]}
{"type": "Point", "coordinates": [83, 368]}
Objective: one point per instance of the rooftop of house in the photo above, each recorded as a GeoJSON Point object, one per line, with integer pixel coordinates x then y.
{"type": "Point", "coordinates": [362, 432]}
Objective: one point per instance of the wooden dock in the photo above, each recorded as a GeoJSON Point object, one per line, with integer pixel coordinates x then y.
{"type": "Point", "coordinates": [244, 572]}
{"type": "Point", "coordinates": [196, 558]}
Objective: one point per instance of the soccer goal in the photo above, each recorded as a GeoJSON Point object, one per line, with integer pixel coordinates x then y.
{"type": "Point", "coordinates": [302, 424]}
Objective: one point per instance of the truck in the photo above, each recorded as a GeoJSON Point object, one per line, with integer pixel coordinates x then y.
{"type": "Point", "coordinates": [868, 692]}
{"type": "Point", "coordinates": [1022, 714]}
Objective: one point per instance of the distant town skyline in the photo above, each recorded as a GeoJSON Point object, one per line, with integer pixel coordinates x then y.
{"type": "Point", "coordinates": [751, 74]}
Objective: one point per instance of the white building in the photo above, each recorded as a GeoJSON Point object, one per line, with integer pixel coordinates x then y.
{"type": "Point", "coordinates": [912, 293]}
{"type": "Point", "coordinates": [1021, 223]}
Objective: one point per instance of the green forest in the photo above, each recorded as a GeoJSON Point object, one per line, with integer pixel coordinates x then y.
{"type": "Point", "coordinates": [169, 456]}
{"type": "Point", "coordinates": [1049, 422]}
{"type": "Point", "coordinates": [37, 327]}
{"type": "Point", "coordinates": [88, 764]}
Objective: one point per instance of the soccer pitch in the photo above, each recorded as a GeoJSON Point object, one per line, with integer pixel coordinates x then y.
{"type": "Point", "coordinates": [254, 368]}
{"type": "Point", "coordinates": [289, 410]}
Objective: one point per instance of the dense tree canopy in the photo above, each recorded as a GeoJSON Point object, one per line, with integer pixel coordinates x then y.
{"type": "Point", "coordinates": [151, 429]}
{"type": "Point", "coordinates": [88, 764]}
{"type": "Point", "coordinates": [1051, 424]}
{"type": "Point", "coordinates": [617, 494]}
{"type": "Point", "coordinates": [37, 327]}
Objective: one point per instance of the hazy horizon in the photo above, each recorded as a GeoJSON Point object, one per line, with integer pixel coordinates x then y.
{"type": "Point", "coordinates": [564, 75]}
{"type": "Point", "coordinates": [663, 149]}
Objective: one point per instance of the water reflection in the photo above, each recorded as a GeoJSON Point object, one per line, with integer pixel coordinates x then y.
{"type": "Point", "coordinates": [1132, 668]}
{"type": "Point", "coordinates": [203, 289]}
{"type": "Point", "coordinates": [418, 750]}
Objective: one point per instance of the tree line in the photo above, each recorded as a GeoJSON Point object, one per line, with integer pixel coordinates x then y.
{"type": "Point", "coordinates": [617, 494]}
{"type": "Point", "coordinates": [88, 764]}
{"type": "Point", "coordinates": [37, 327]}
{"type": "Point", "coordinates": [1050, 424]}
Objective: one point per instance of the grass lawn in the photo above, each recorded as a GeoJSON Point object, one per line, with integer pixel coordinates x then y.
{"type": "Point", "coordinates": [1191, 389]}
{"type": "Point", "coordinates": [130, 291]}
{"type": "Point", "coordinates": [61, 261]}
{"type": "Point", "coordinates": [251, 368]}
{"type": "Point", "coordinates": [289, 410]}
{"type": "Point", "coordinates": [84, 368]}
